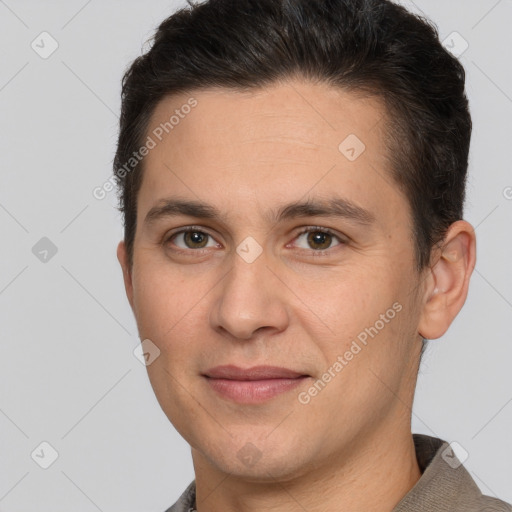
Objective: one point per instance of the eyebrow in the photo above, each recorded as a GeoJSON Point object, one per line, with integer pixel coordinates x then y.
{"type": "Point", "coordinates": [331, 207]}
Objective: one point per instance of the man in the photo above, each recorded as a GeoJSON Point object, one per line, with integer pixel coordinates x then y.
{"type": "Point", "coordinates": [292, 176]}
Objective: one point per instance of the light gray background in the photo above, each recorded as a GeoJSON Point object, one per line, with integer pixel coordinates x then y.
{"type": "Point", "coordinates": [68, 374]}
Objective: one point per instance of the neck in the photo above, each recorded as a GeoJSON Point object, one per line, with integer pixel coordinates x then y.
{"type": "Point", "coordinates": [374, 479]}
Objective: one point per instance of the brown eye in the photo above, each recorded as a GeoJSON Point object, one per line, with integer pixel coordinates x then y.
{"type": "Point", "coordinates": [317, 239]}
{"type": "Point", "coordinates": [195, 239]}
{"type": "Point", "coordinates": [191, 239]}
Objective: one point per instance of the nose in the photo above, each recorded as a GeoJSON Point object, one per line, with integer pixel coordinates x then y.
{"type": "Point", "coordinates": [249, 300]}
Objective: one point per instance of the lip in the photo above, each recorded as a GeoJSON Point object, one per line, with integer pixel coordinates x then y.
{"type": "Point", "coordinates": [233, 372]}
{"type": "Point", "coordinates": [252, 385]}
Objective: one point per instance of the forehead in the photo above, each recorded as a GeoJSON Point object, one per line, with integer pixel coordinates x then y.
{"type": "Point", "coordinates": [303, 112]}
{"type": "Point", "coordinates": [264, 146]}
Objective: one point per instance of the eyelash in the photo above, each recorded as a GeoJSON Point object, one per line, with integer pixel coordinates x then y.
{"type": "Point", "coordinates": [309, 229]}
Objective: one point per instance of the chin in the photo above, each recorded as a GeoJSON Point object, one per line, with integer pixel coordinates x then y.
{"type": "Point", "coordinates": [255, 460]}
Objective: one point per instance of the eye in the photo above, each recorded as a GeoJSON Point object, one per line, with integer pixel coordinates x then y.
{"type": "Point", "coordinates": [314, 238]}
{"type": "Point", "coordinates": [191, 238]}
{"type": "Point", "coordinates": [318, 239]}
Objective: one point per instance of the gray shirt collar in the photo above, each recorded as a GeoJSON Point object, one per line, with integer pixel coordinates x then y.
{"type": "Point", "coordinates": [445, 485]}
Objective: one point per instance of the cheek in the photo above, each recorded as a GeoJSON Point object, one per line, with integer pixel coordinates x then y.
{"type": "Point", "coordinates": [368, 318]}
{"type": "Point", "coordinates": [160, 300]}
{"type": "Point", "coordinates": [343, 301]}
{"type": "Point", "coordinates": [172, 308]}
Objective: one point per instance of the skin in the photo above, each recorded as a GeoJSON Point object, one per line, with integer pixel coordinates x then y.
{"type": "Point", "coordinates": [248, 153]}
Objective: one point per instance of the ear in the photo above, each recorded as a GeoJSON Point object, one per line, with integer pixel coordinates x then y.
{"type": "Point", "coordinates": [447, 280]}
{"type": "Point", "coordinates": [122, 256]}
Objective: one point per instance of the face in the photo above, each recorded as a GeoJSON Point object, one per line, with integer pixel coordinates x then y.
{"type": "Point", "coordinates": [298, 255]}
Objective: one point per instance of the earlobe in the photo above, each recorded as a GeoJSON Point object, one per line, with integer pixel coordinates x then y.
{"type": "Point", "coordinates": [122, 256]}
{"type": "Point", "coordinates": [448, 280]}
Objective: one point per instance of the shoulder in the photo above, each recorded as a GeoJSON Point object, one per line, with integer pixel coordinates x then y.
{"type": "Point", "coordinates": [445, 484]}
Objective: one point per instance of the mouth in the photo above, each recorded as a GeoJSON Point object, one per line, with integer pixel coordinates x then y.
{"type": "Point", "coordinates": [252, 385]}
